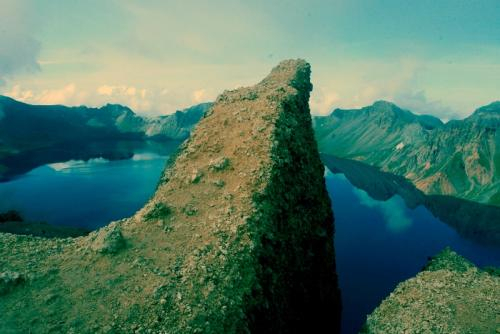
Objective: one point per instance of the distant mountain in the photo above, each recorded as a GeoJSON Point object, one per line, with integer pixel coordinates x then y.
{"type": "Point", "coordinates": [33, 134]}
{"type": "Point", "coordinates": [460, 158]}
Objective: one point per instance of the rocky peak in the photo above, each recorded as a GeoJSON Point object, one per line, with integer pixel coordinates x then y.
{"type": "Point", "coordinates": [236, 238]}
{"type": "Point", "coordinates": [488, 115]}
{"type": "Point", "coordinates": [116, 109]}
{"type": "Point", "coordinates": [389, 109]}
{"type": "Point", "coordinates": [385, 111]}
{"type": "Point", "coordinates": [490, 110]}
{"type": "Point", "coordinates": [384, 106]}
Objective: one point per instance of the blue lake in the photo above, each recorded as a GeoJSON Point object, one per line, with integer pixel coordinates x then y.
{"type": "Point", "coordinates": [381, 243]}
{"type": "Point", "coordinates": [86, 194]}
{"type": "Point", "coordinates": [378, 243]}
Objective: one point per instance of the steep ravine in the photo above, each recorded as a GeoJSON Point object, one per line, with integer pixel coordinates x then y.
{"type": "Point", "coordinates": [237, 238]}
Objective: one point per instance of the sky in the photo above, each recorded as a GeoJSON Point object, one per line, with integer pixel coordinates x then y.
{"type": "Point", "coordinates": [439, 57]}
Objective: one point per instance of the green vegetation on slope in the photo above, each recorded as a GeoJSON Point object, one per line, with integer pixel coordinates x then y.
{"type": "Point", "coordinates": [459, 158]}
{"type": "Point", "coordinates": [32, 135]}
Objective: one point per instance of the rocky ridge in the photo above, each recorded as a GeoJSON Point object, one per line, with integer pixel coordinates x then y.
{"type": "Point", "coordinates": [237, 238]}
{"type": "Point", "coordinates": [460, 158]}
{"type": "Point", "coordinates": [450, 295]}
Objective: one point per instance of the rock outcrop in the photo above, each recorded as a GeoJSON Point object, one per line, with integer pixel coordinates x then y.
{"type": "Point", "coordinates": [237, 238]}
{"type": "Point", "coordinates": [451, 295]}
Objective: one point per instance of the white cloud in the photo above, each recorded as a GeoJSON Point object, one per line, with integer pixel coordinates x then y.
{"type": "Point", "coordinates": [57, 96]}
{"type": "Point", "coordinates": [22, 95]}
{"type": "Point", "coordinates": [322, 101]}
{"type": "Point", "coordinates": [417, 102]}
{"type": "Point", "coordinates": [133, 97]}
{"type": "Point", "coordinates": [105, 90]}
{"type": "Point", "coordinates": [18, 48]}
{"type": "Point", "coordinates": [131, 91]}
{"type": "Point", "coordinates": [199, 96]}
{"type": "Point", "coordinates": [120, 90]}
{"type": "Point", "coordinates": [66, 95]}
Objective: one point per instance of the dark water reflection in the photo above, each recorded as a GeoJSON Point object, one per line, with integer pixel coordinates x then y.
{"type": "Point", "coordinates": [385, 232]}
{"type": "Point", "coordinates": [385, 228]}
{"type": "Point", "coordinates": [111, 182]}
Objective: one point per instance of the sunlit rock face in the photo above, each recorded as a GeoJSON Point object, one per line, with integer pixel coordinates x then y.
{"type": "Point", "coordinates": [237, 238]}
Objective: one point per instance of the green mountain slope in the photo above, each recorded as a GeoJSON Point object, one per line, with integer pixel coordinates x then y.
{"type": "Point", "coordinates": [30, 134]}
{"type": "Point", "coordinates": [460, 158]}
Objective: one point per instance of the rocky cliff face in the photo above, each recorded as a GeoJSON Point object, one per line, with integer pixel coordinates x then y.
{"type": "Point", "coordinates": [450, 295]}
{"type": "Point", "coordinates": [459, 158]}
{"type": "Point", "coordinates": [237, 238]}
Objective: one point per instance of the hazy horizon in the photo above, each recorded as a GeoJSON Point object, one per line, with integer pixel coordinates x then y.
{"type": "Point", "coordinates": [161, 56]}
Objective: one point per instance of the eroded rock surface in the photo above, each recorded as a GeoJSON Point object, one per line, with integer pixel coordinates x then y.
{"type": "Point", "coordinates": [451, 295]}
{"type": "Point", "coordinates": [237, 238]}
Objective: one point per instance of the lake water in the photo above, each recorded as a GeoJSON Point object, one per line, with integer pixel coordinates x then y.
{"type": "Point", "coordinates": [378, 243]}
{"type": "Point", "coordinates": [381, 243]}
{"type": "Point", "coordinates": [86, 194]}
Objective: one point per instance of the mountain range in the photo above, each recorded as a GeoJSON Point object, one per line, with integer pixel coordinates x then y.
{"type": "Point", "coordinates": [41, 133]}
{"type": "Point", "coordinates": [459, 158]}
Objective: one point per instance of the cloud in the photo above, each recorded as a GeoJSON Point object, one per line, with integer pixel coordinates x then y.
{"type": "Point", "coordinates": [359, 84]}
{"type": "Point", "coordinates": [131, 96]}
{"type": "Point", "coordinates": [131, 91]}
{"type": "Point", "coordinates": [199, 96]}
{"type": "Point", "coordinates": [393, 211]}
{"type": "Point", "coordinates": [19, 94]}
{"type": "Point", "coordinates": [417, 101]}
{"type": "Point", "coordinates": [18, 48]}
{"type": "Point", "coordinates": [120, 90]}
{"type": "Point", "coordinates": [57, 96]}
{"type": "Point", "coordinates": [66, 95]}
{"type": "Point", "coordinates": [138, 99]}
{"type": "Point", "coordinates": [323, 101]}
{"type": "Point", "coordinates": [105, 90]}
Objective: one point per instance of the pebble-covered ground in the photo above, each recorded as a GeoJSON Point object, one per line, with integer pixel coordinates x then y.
{"type": "Point", "coordinates": [450, 295]}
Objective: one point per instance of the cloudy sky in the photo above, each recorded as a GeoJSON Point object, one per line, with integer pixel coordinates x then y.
{"type": "Point", "coordinates": [432, 56]}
